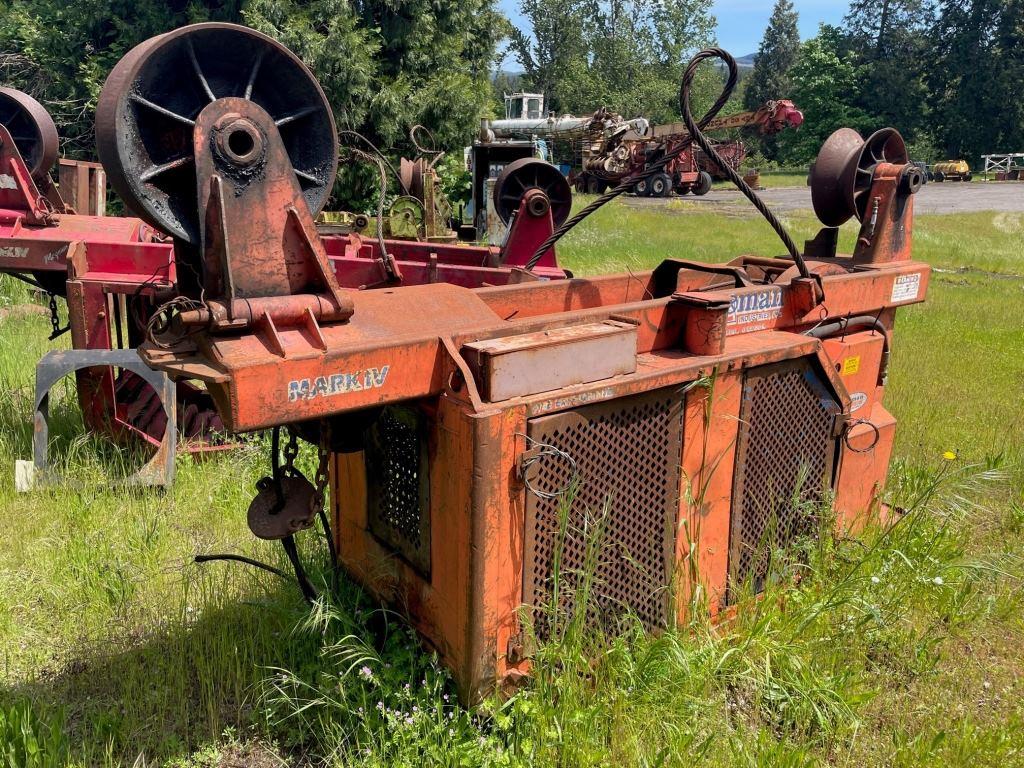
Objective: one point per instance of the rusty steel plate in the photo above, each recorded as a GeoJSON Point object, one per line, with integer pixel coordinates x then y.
{"type": "Point", "coordinates": [147, 111]}
{"type": "Point", "coordinates": [32, 129]}
{"type": "Point", "coordinates": [622, 458]}
{"type": "Point", "coordinates": [785, 455]}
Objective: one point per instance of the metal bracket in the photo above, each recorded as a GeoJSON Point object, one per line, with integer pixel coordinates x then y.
{"type": "Point", "coordinates": [53, 367]}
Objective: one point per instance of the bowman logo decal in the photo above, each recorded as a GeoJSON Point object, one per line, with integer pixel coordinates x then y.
{"type": "Point", "coordinates": [337, 384]}
{"type": "Point", "coordinates": [857, 401]}
{"type": "Point", "coordinates": [755, 307]}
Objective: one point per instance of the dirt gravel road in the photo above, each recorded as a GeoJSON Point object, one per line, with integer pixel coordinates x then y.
{"type": "Point", "coordinates": [1001, 197]}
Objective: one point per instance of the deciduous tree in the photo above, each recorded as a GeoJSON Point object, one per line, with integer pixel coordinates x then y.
{"type": "Point", "coordinates": [825, 86]}
{"type": "Point", "coordinates": [627, 55]}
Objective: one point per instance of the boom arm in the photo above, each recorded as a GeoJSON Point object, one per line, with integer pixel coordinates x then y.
{"type": "Point", "coordinates": [771, 118]}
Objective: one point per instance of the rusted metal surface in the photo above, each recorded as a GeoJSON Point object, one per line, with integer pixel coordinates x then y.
{"type": "Point", "coordinates": [83, 187]}
{"type": "Point", "coordinates": [705, 334]}
{"type": "Point", "coordinates": [520, 177]}
{"type": "Point", "coordinates": [843, 173]}
{"type": "Point", "coordinates": [159, 470]}
{"type": "Point", "coordinates": [450, 474]}
{"type": "Point", "coordinates": [526, 364]}
{"type": "Point", "coordinates": [249, 196]}
{"type": "Point", "coordinates": [109, 269]}
{"type": "Point", "coordinates": [32, 130]}
{"type": "Point", "coordinates": [616, 464]}
{"type": "Point", "coordinates": [278, 513]}
{"type": "Point", "coordinates": [385, 353]}
{"type": "Point", "coordinates": [789, 423]}
{"type": "Point", "coordinates": [145, 118]}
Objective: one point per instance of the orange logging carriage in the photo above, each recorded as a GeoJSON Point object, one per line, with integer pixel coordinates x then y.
{"type": "Point", "coordinates": [468, 429]}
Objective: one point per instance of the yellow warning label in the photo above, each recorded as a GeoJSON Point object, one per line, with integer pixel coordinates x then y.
{"type": "Point", "coordinates": [851, 365]}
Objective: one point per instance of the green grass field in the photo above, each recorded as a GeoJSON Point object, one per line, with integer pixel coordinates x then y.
{"type": "Point", "coordinates": [901, 649]}
{"type": "Point", "coordinates": [772, 179]}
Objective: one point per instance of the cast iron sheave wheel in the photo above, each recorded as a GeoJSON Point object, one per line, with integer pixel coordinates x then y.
{"type": "Point", "coordinates": [661, 185]}
{"type": "Point", "coordinates": [147, 110]}
{"type": "Point", "coordinates": [35, 138]}
{"type": "Point", "coordinates": [528, 173]}
{"type": "Point", "coordinates": [841, 175]}
{"type": "Point", "coordinates": [32, 129]}
{"type": "Point", "coordinates": [703, 184]}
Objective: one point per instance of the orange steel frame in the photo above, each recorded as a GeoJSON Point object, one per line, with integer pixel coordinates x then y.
{"type": "Point", "coordinates": [405, 345]}
{"type": "Point", "coordinates": [469, 608]}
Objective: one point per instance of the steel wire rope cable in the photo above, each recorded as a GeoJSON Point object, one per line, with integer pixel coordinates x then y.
{"type": "Point", "coordinates": [705, 144]}
{"type": "Point", "coordinates": [381, 155]}
{"type": "Point", "coordinates": [436, 154]}
{"type": "Point", "coordinates": [655, 168]}
{"type": "Point", "coordinates": [381, 163]}
{"type": "Point", "coordinates": [695, 129]}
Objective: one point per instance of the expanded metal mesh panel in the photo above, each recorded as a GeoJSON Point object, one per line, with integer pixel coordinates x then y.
{"type": "Point", "coordinates": [617, 531]}
{"type": "Point", "coordinates": [398, 509]}
{"type": "Point", "coordinates": [784, 458]}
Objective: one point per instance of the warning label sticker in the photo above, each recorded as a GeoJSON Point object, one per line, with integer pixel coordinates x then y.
{"type": "Point", "coordinates": [906, 287]}
{"type": "Point", "coordinates": [851, 365]}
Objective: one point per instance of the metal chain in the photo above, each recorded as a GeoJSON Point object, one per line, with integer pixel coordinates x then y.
{"type": "Point", "coordinates": [320, 496]}
{"type": "Point", "coordinates": [55, 318]}
{"type": "Point", "coordinates": [291, 452]}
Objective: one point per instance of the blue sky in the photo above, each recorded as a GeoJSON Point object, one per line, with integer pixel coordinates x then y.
{"type": "Point", "coordinates": [741, 23]}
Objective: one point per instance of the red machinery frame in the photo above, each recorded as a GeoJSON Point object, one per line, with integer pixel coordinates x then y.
{"type": "Point", "coordinates": [111, 267]}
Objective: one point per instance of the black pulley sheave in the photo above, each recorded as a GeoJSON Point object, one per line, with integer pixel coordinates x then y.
{"type": "Point", "coordinates": [146, 115]}
{"type": "Point", "coordinates": [32, 129]}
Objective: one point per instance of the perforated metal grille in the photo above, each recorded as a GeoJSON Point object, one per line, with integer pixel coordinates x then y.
{"type": "Point", "coordinates": [785, 454]}
{"type": "Point", "coordinates": [397, 483]}
{"type": "Point", "coordinates": [618, 535]}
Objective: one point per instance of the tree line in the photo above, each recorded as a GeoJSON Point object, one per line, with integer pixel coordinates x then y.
{"type": "Point", "coordinates": [948, 73]}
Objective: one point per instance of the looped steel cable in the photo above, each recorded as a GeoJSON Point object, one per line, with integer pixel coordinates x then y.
{"type": "Point", "coordinates": [437, 154]}
{"type": "Point", "coordinates": [160, 321]}
{"type": "Point", "coordinates": [849, 428]}
{"type": "Point", "coordinates": [702, 141]}
{"type": "Point", "coordinates": [378, 153]}
{"type": "Point", "coordinates": [381, 162]}
{"type": "Point", "coordinates": [695, 129]}
{"type": "Point", "coordinates": [656, 167]}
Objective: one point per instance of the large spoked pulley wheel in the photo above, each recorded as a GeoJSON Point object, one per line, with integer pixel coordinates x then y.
{"type": "Point", "coordinates": [842, 174]}
{"type": "Point", "coordinates": [147, 110]}
{"type": "Point", "coordinates": [32, 129]}
{"type": "Point", "coordinates": [527, 173]}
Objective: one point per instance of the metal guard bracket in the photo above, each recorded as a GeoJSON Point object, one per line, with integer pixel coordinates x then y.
{"type": "Point", "coordinates": [53, 367]}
